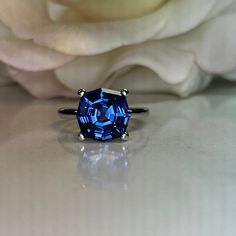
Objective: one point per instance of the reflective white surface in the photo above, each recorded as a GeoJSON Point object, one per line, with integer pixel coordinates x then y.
{"type": "Point", "coordinates": [175, 176]}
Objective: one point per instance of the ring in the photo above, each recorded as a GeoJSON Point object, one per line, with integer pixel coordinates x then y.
{"type": "Point", "coordinates": [103, 114]}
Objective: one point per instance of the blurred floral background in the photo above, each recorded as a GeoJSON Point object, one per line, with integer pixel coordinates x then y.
{"type": "Point", "coordinates": [53, 47]}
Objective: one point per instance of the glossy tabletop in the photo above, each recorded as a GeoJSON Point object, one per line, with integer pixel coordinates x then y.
{"type": "Point", "coordinates": [176, 176]}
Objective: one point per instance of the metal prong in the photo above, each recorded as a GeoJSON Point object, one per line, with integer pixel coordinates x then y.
{"type": "Point", "coordinates": [81, 137]}
{"type": "Point", "coordinates": [81, 92]}
{"type": "Point", "coordinates": [124, 92]}
{"type": "Point", "coordinates": [125, 137]}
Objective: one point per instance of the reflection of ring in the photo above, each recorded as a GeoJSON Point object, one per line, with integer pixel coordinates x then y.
{"type": "Point", "coordinates": [103, 164]}
{"type": "Point", "coordinates": [103, 114]}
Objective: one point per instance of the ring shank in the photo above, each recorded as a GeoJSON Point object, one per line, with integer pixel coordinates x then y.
{"type": "Point", "coordinates": [66, 113]}
{"type": "Point", "coordinates": [138, 110]}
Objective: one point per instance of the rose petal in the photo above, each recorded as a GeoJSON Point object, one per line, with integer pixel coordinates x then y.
{"type": "Point", "coordinates": [40, 84]}
{"type": "Point", "coordinates": [188, 14]}
{"type": "Point", "coordinates": [84, 72]}
{"type": "Point", "coordinates": [195, 81]}
{"type": "Point", "coordinates": [5, 78]}
{"type": "Point", "coordinates": [213, 44]}
{"type": "Point", "coordinates": [26, 55]}
{"type": "Point", "coordinates": [56, 10]}
{"type": "Point", "coordinates": [93, 38]}
{"type": "Point", "coordinates": [5, 32]}
{"type": "Point", "coordinates": [230, 75]}
{"type": "Point", "coordinates": [113, 9]}
{"type": "Point", "coordinates": [23, 16]}
{"type": "Point", "coordinates": [171, 65]}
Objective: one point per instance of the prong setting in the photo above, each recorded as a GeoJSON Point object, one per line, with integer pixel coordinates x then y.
{"type": "Point", "coordinates": [81, 92]}
{"type": "Point", "coordinates": [81, 137]}
{"type": "Point", "coordinates": [124, 92]}
{"type": "Point", "coordinates": [125, 136]}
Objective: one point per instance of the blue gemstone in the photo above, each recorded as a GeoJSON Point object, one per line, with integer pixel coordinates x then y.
{"type": "Point", "coordinates": [103, 114]}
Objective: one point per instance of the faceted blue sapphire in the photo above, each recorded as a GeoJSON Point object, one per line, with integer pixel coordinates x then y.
{"type": "Point", "coordinates": [103, 114]}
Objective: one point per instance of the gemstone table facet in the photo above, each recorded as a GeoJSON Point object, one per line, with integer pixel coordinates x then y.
{"type": "Point", "coordinates": [103, 114]}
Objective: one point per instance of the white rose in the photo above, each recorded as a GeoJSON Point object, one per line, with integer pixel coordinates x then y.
{"type": "Point", "coordinates": [54, 47]}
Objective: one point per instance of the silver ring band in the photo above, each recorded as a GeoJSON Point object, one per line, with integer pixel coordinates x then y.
{"type": "Point", "coordinates": [70, 113]}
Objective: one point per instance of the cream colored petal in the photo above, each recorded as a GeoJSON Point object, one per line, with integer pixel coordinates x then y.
{"type": "Point", "coordinates": [23, 16]}
{"type": "Point", "coordinates": [188, 14]}
{"type": "Point", "coordinates": [5, 78]}
{"type": "Point", "coordinates": [221, 6]}
{"type": "Point", "coordinates": [230, 75]}
{"type": "Point", "coordinates": [95, 38]}
{"type": "Point", "coordinates": [56, 11]}
{"type": "Point", "coordinates": [174, 18]}
{"type": "Point", "coordinates": [84, 72]}
{"type": "Point", "coordinates": [144, 80]}
{"type": "Point", "coordinates": [5, 32]}
{"type": "Point", "coordinates": [213, 44]}
{"type": "Point", "coordinates": [40, 84]}
{"type": "Point", "coordinates": [112, 9]}
{"type": "Point", "coordinates": [28, 56]}
{"type": "Point", "coordinates": [170, 64]}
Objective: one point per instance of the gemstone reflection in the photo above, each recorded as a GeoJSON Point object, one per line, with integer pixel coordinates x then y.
{"type": "Point", "coordinates": [104, 164]}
